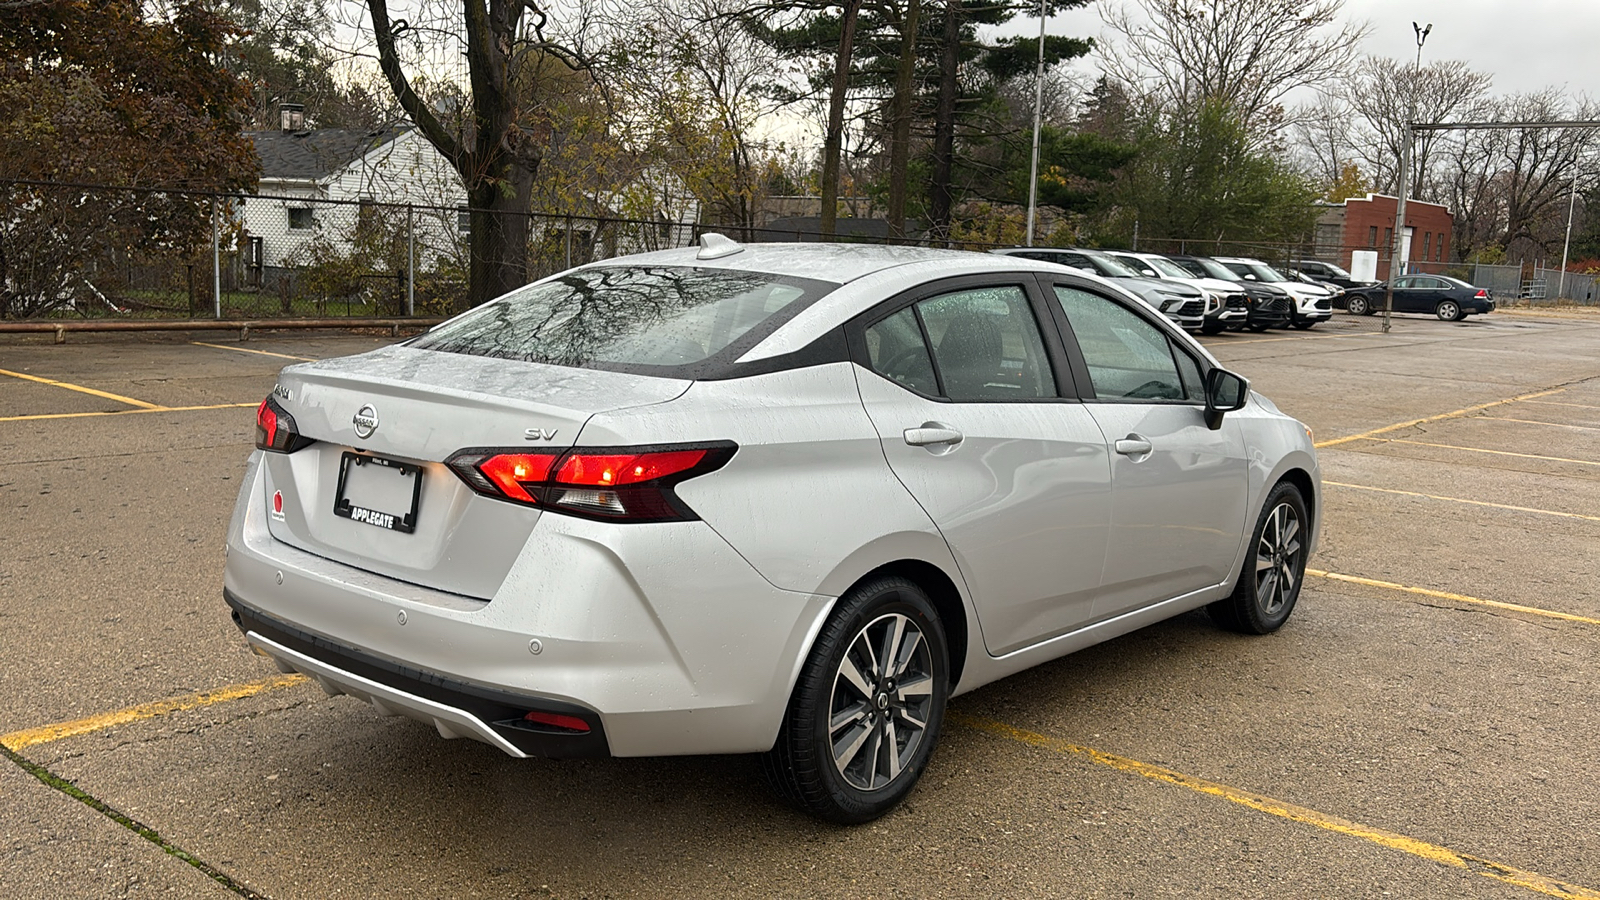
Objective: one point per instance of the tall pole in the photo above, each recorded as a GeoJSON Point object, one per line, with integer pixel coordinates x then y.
{"type": "Point", "coordinates": [1038, 118]}
{"type": "Point", "coordinates": [1561, 292]}
{"type": "Point", "coordinates": [216, 256]}
{"type": "Point", "coordinates": [1396, 252]}
{"type": "Point", "coordinates": [411, 261]}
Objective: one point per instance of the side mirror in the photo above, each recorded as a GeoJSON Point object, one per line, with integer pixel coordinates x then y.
{"type": "Point", "coordinates": [1225, 392]}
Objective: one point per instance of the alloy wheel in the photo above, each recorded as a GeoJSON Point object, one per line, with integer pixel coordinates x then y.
{"type": "Point", "coordinates": [1277, 559]}
{"type": "Point", "coordinates": [1448, 310]}
{"type": "Point", "coordinates": [882, 698]}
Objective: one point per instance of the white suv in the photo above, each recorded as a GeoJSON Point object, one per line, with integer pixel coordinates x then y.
{"type": "Point", "coordinates": [780, 499]}
{"type": "Point", "coordinates": [1313, 303]}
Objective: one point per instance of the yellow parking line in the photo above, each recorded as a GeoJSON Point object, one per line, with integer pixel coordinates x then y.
{"type": "Point", "coordinates": [1532, 422]}
{"type": "Point", "coordinates": [125, 412]}
{"type": "Point", "coordinates": [1559, 403]}
{"type": "Point", "coordinates": [17, 740]}
{"type": "Point", "coordinates": [257, 352]}
{"type": "Point", "coordinates": [1272, 806]}
{"type": "Point", "coordinates": [1526, 509]}
{"type": "Point", "coordinates": [1458, 598]}
{"type": "Point", "coordinates": [1449, 415]}
{"type": "Point", "coordinates": [81, 389]}
{"type": "Point", "coordinates": [1581, 462]}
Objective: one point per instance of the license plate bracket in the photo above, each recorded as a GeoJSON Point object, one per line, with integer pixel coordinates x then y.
{"type": "Point", "coordinates": [373, 488]}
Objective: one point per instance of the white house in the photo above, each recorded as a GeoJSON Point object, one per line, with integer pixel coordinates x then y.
{"type": "Point", "coordinates": [320, 183]}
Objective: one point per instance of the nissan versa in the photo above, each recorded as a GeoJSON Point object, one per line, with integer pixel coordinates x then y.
{"type": "Point", "coordinates": [778, 499]}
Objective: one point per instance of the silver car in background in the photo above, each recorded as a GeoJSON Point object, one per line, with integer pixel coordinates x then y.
{"type": "Point", "coordinates": [1183, 303]}
{"type": "Point", "coordinates": [777, 499]}
{"type": "Point", "coordinates": [1228, 306]}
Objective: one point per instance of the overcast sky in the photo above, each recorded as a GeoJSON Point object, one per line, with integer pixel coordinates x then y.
{"type": "Point", "coordinates": [1524, 44]}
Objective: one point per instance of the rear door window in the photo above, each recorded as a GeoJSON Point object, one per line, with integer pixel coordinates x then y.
{"type": "Point", "coordinates": [669, 320]}
{"type": "Point", "coordinates": [980, 344]}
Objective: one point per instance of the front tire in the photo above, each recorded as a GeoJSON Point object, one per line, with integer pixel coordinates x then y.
{"type": "Point", "coordinates": [867, 707]}
{"type": "Point", "coordinates": [1359, 306]}
{"type": "Point", "coordinates": [1269, 583]}
{"type": "Point", "coordinates": [1448, 311]}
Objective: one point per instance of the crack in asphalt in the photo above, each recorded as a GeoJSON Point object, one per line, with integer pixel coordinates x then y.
{"type": "Point", "coordinates": [64, 786]}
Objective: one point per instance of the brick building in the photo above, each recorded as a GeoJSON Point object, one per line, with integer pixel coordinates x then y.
{"type": "Point", "coordinates": [1368, 224]}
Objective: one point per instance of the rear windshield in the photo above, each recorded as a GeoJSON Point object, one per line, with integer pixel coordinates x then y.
{"type": "Point", "coordinates": [656, 319]}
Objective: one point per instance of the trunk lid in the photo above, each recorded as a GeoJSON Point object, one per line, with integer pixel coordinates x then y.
{"type": "Point", "coordinates": [417, 408]}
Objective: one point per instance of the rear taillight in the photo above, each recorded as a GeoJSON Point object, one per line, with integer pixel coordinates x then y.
{"type": "Point", "coordinates": [1481, 295]}
{"type": "Point", "coordinates": [275, 429]}
{"type": "Point", "coordinates": [629, 484]}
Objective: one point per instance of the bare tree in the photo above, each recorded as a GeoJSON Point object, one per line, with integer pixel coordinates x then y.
{"type": "Point", "coordinates": [1247, 54]}
{"type": "Point", "coordinates": [500, 139]}
{"type": "Point", "coordinates": [1509, 187]}
{"type": "Point", "coordinates": [1385, 92]}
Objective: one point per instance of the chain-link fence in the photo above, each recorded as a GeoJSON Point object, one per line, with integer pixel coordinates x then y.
{"type": "Point", "coordinates": [98, 252]}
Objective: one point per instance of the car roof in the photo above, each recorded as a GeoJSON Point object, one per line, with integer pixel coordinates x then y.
{"type": "Point", "coordinates": [837, 263]}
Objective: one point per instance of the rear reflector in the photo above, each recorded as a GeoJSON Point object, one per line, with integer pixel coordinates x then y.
{"type": "Point", "coordinates": [632, 484]}
{"type": "Point", "coordinates": [557, 720]}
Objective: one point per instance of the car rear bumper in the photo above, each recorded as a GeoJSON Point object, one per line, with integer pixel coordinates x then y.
{"type": "Point", "coordinates": [595, 620]}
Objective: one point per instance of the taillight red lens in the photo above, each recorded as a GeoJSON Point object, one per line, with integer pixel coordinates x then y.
{"type": "Point", "coordinates": [266, 424]}
{"type": "Point", "coordinates": [1481, 295]}
{"type": "Point", "coordinates": [617, 484]}
{"type": "Point", "coordinates": [616, 470]}
{"type": "Point", "coordinates": [275, 429]}
{"type": "Point", "coordinates": [510, 471]}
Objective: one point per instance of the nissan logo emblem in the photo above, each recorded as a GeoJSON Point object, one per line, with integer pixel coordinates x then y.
{"type": "Point", "coordinates": [365, 420]}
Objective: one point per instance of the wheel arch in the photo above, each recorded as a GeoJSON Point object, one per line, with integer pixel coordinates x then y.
{"type": "Point", "coordinates": [947, 602]}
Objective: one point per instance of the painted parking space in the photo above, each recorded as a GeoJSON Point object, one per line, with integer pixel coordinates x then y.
{"type": "Point", "coordinates": [1408, 733]}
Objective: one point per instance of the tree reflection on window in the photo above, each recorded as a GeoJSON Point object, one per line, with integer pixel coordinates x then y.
{"type": "Point", "coordinates": [614, 316]}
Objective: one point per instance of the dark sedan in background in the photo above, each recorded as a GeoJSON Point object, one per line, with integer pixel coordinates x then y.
{"type": "Point", "coordinates": [1451, 299]}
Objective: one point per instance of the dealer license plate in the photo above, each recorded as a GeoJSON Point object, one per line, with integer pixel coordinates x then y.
{"type": "Point", "coordinates": [380, 492]}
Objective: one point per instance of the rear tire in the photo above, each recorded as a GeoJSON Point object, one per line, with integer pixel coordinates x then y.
{"type": "Point", "coordinates": [1448, 311]}
{"type": "Point", "coordinates": [858, 732]}
{"type": "Point", "coordinates": [1359, 306]}
{"type": "Point", "coordinates": [1269, 582]}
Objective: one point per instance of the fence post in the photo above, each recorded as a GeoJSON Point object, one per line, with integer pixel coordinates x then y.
{"type": "Point", "coordinates": [569, 240]}
{"type": "Point", "coordinates": [411, 262]}
{"type": "Point", "coordinates": [216, 256]}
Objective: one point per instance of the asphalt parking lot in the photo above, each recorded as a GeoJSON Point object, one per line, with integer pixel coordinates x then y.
{"type": "Point", "coordinates": [1423, 727]}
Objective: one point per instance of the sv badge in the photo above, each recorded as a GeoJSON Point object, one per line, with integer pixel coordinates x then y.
{"type": "Point", "coordinates": [539, 434]}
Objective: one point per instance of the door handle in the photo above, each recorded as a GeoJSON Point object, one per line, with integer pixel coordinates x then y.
{"type": "Point", "coordinates": [933, 433]}
{"type": "Point", "coordinates": [1133, 445]}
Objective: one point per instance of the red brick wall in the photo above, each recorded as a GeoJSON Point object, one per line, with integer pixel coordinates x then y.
{"type": "Point", "coordinates": [1430, 238]}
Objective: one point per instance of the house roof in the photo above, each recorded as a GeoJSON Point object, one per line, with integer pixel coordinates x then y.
{"type": "Point", "coordinates": [316, 154]}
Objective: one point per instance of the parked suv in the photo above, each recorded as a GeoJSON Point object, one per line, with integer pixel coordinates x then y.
{"type": "Point", "coordinates": [1182, 303]}
{"type": "Point", "coordinates": [1270, 307]}
{"type": "Point", "coordinates": [784, 499]}
{"type": "Point", "coordinates": [1228, 308]}
{"type": "Point", "coordinates": [1313, 304]}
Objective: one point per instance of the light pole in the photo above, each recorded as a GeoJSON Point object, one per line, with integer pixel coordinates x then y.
{"type": "Point", "coordinates": [1405, 174]}
{"type": "Point", "coordinates": [1038, 115]}
{"type": "Point", "coordinates": [1572, 202]}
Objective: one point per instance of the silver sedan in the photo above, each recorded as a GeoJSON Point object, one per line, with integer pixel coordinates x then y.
{"type": "Point", "coordinates": [776, 499]}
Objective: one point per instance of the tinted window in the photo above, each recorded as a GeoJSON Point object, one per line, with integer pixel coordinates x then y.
{"type": "Point", "coordinates": [1433, 283]}
{"type": "Point", "coordinates": [987, 345]}
{"type": "Point", "coordinates": [622, 317]}
{"type": "Point", "coordinates": [897, 351]}
{"type": "Point", "coordinates": [1128, 357]}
